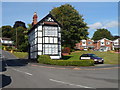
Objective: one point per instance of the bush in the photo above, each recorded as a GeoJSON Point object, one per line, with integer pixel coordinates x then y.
{"type": "Point", "coordinates": [45, 59]}
{"type": "Point", "coordinates": [8, 48]}
{"type": "Point", "coordinates": [73, 62]}
{"type": "Point", "coordinates": [117, 49]}
{"type": "Point", "coordinates": [66, 50]}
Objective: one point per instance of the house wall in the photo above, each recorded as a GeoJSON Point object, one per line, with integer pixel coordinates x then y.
{"type": "Point", "coordinates": [104, 43]}
{"type": "Point", "coordinates": [33, 43]}
{"type": "Point", "coordinates": [38, 41]}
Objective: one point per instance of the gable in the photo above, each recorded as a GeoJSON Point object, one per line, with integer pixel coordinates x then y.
{"type": "Point", "coordinates": [49, 20]}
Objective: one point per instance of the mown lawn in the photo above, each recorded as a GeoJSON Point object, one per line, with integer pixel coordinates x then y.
{"type": "Point", "coordinates": [20, 54]}
{"type": "Point", "coordinates": [109, 57]}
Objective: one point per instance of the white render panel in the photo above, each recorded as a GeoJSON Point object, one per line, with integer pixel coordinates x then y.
{"type": "Point", "coordinates": [43, 40]}
{"type": "Point", "coordinates": [39, 53]}
{"type": "Point", "coordinates": [40, 27]}
{"type": "Point", "coordinates": [39, 40]}
{"type": "Point", "coordinates": [51, 40]}
{"type": "Point", "coordinates": [55, 40]}
{"type": "Point", "coordinates": [35, 29]}
{"type": "Point", "coordinates": [40, 34]}
{"type": "Point", "coordinates": [59, 34]}
{"type": "Point", "coordinates": [35, 40]}
{"type": "Point", "coordinates": [39, 46]}
{"type": "Point", "coordinates": [36, 34]}
{"type": "Point", "coordinates": [60, 47]}
{"type": "Point", "coordinates": [46, 40]}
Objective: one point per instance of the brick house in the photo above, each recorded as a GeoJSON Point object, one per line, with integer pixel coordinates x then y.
{"type": "Point", "coordinates": [6, 41]}
{"type": "Point", "coordinates": [103, 44]}
{"type": "Point", "coordinates": [85, 44]}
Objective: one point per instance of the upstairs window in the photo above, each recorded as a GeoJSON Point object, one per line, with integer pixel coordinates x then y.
{"type": "Point", "coordinates": [89, 42]}
{"type": "Point", "coordinates": [83, 42]}
{"type": "Point", "coordinates": [50, 31]}
{"type": "Point", "coordinates": [115, 42]}
{"type": "Point", "coordinates": [107, 43]}
{"type": "Point", "coordinates": [102, 43]}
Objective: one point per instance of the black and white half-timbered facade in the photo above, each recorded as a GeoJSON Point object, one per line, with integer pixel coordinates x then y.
{"type": "Point", "coordinates": [45, 38]}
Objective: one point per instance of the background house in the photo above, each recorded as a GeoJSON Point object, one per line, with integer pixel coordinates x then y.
{"type": "Point", "coordinates": [103, 44]}
{"type": "Point", "coordinates": [6, 41]}
{"type": "Point", "coordinates": [85, 44]}
{"type": "Point", "coordinates": [116, 44]}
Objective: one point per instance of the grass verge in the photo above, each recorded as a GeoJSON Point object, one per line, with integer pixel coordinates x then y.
{"type": "Point", "coordinates": [109, 57]}
{"type": "Point", "coordinates": [20, 54]}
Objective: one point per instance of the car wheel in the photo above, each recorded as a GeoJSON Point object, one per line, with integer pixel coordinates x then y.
{"type": "Point", "coordinates": [102, 62]}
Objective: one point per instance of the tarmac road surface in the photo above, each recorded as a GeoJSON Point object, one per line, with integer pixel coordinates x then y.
{"type": "Point", "coordinates": [19, 73]}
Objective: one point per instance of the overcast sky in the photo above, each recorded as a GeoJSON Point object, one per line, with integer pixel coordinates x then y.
{"type": "Point", "coordinates": [96, 14]}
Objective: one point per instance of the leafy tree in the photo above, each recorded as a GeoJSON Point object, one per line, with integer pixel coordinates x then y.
{"type": "Point", "coordinates": [73, 26]}
{"type": "Point", "coordinates": [20, 38]}
{"type": "Point", "coordinates": [29, 26]}
{"type": "Point", "coordinates": [102, 33]}
{"type": "Point", "coordinates": [7, 31]}
{"type": "Point", "coordinates": [116, 37]}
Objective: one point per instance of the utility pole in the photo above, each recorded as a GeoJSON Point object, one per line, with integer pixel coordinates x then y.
{"type": "Point", "coordinates": [16, 37]}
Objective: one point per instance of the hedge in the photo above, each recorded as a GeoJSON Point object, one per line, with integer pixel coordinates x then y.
{"type": "Point", "coordinates": [45, 59]}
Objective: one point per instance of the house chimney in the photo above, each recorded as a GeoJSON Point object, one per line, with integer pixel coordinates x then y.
{"type": "Point", "coordinates": [35, 19]}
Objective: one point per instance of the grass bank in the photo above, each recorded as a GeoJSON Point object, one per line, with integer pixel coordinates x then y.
{"type": "Point", "coordinates": [20, 54]}
{"type": "Point", "coordinates": [109, 57]}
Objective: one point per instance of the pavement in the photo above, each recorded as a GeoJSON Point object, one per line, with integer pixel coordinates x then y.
{"type": "Point", "coordinates": [20, 73]}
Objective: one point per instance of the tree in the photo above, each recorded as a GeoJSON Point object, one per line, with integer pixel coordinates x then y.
{"type": "Point", "coordinates": [7, 31]}
{"type": "Point", "coordinates": [20, 38]}
{"type": "Point", "coordinates": [73, 26]}
{"type": "Point", "coordinates": [102, 33]}
{"type": "Point", "coordinates": [29, 26]}
{"type": "Point", "coordinates": [116, 37]}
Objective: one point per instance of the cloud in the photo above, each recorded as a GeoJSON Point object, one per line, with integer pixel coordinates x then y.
{"type": "Point", "coordinates": [95, 25]}
{"type": "Point", "coordinates": [111, 24]}
{"type": "Point", "coordinates": [98, 25]}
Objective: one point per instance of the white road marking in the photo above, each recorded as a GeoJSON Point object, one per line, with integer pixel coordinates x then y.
{"type": "Point", "coordinates": [69, 83]}
{"type": "Point", "coordinates": [22, 72]}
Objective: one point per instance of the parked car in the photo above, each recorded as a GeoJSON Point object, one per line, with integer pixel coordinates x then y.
{"type": "Point", "coordinates": [92, 56]}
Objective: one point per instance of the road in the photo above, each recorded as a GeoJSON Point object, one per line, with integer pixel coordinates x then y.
{"type": "Point", "coordinates": [20, 73]}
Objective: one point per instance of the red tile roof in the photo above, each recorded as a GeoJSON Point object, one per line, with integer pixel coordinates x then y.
{"type": "Point", "coordinates": [50, 23]}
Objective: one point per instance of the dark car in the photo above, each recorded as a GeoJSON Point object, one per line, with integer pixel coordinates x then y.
{"type": "Point", "coordinates": [92, 56]}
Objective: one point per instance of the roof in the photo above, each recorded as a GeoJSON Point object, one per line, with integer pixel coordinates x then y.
{"type": "Point", "coordinates": [116, 39]}
{"type": "Point", "coordinates": [46, 22]}
{"type": "Point", "coordinates": [9, 39]}
{"type": "Point", "coordinates": [105, 38]}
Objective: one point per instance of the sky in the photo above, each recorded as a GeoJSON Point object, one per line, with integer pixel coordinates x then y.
{"type": "Point", "coordinates": [95, 14]}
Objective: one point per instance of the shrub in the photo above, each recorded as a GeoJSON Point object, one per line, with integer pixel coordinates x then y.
{"type": "Point", "coordinates": [45, 59]}
{"type": "Point", "coordinates": [66, 50]}
{"type": "Point", "coordinates": [117, 49]}
{"type": "Point", "coordinates": [8, 48]}
{"type": "Point", "coordinates": [73, 62]}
